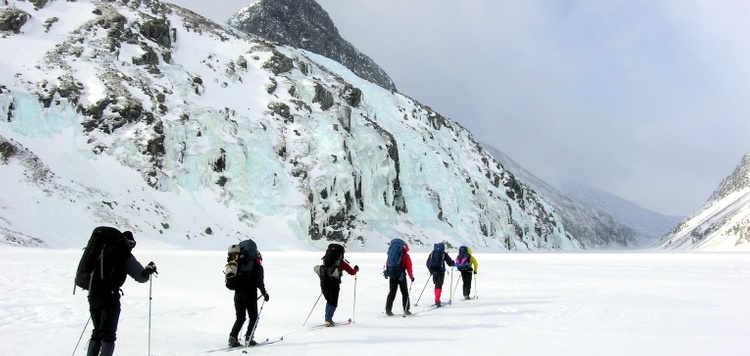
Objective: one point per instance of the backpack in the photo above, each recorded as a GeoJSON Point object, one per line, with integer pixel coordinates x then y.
{"type": "Point", "coordinates": [436, 258]}
{"type": "Point", "coordinates": [394, 263]}
{"type": "Point", "coordinates": [463, 260]}
{"type": "Point", "coordinates": [330, 269]}
{"type": "Point", "coordinates": [240, 261]}
{"type": "Point", "coordinates": [102, 265]}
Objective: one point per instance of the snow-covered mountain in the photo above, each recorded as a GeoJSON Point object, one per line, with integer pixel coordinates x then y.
{"type": "Point", "coordinates": [146, 116]}
{"type": "Point", "coordinates": [724, 221]}
{"type": "Point", "coordinates": [306, 25]}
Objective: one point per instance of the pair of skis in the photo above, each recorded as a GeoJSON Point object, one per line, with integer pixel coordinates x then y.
{"type": "Point", "coordinates": [244, 347]}
{"type": "Point", "coordinates": [273, 341]}
{"type": "Point", "coordinates": [335, 324]}
{"type": "Point", "coordinates": [432, 307]}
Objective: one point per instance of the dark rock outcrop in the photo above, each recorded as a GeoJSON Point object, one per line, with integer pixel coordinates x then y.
{"type": "Point", "coordinates": [304, 24]}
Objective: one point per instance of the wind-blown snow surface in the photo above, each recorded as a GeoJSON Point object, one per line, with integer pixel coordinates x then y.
{"type": "Point", "coordinates": [529, 304]}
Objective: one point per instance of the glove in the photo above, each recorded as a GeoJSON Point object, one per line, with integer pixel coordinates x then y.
{"type": "Point", "coordinates": [266, 297]}
{"type": "Point", "coordinates": [475, 272]}
{"type": "Point", "coordinates": [412, 279]}
{"type": "Point", "coordinates": [151, 268]}
{"type": "Point", "coordinates": [356, 268]}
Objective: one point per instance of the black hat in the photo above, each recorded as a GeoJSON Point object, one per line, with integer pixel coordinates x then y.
{"type": "Point", "coordinates": [131, 239]}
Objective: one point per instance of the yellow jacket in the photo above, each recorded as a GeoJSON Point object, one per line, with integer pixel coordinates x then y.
{"type": "Point", "coordinates": [473, 261]}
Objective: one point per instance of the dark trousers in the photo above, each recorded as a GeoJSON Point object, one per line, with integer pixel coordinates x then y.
{"type": "Point", "coordinates": [466, 277]}
{"type": "Point", "coordinates": [438, 278]}
{"type": "Point", "coordinates": [245, 302]}
{"type": "Point", "coordinates": [395, 283]}
{"type": "Point", "coordinates": [330, 290]}
{"type": "Point", "coordinates": [105, 314]}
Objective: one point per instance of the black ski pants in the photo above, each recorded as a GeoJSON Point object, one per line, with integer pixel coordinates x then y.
{"type": "Point", "coordinates": [396, 283]}
{"type": "Point", "coordinates": [330, 289]}
{"type": "Point", "coordinates": [245, 302]}
{"type": "Point", "coordinates": [466, 277]}
{"type": "Point", "coordinates": [438, 278]}
{"type": "Point", "coordinates": [105, 314]}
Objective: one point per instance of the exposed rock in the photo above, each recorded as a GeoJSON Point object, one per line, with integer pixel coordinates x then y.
{"type": "Point", "coordinates": [38, 4]}
{"type": "Point", "coordinates": [12, 19]}
{"type": "Point", "coordinates": [305, 24]}
{"type": "Point", "coordinates": [157, 30]}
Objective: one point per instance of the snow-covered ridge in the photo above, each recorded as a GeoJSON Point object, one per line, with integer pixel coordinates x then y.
{"type": "Point", "coordinates": [153, 119]}
{"type": "Point", "coordinates": [723, 223]}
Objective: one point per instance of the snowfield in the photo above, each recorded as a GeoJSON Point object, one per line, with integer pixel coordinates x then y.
{"type": "Point", "coordinates": [631, 303]}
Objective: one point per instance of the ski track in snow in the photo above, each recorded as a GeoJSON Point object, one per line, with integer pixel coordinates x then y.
{"type": "Point", "coordinates": [529, 304]}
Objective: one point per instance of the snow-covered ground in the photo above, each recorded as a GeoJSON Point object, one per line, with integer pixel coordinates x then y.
{"type": "Point", "coordinates": [629, 303]}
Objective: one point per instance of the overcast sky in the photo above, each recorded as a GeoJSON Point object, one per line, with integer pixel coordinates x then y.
{"type": "Point", "coordinates": [648, 100]}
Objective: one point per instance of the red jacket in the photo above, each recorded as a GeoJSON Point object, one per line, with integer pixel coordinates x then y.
{"type": "Point", "coordinates": [344, 266]}
{"type": "Point", "coordinates": [406, 262]}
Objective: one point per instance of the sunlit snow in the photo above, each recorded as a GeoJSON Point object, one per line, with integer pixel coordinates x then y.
{"type": "Point", "coordinates": [528, 304]}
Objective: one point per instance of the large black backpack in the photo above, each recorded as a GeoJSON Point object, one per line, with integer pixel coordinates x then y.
{"type": "Point", "coordinates": [240, 262]}
{"type": "Point", "coordinates": [330, 269]}
{"type": "Point", "coordinates": [394, 264]}
{"type": "Point", "coordinates": [102, 265]}
{"type": "Point", "coordinates": [436, 258]}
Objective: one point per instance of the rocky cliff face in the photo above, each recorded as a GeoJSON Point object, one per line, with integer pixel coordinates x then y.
{"type": "Point", "coordinates": [723, 223]}
{"type": "Point", "coordinates": [304, 24]}
{"type": "Point", "coordinates": [148, 117]}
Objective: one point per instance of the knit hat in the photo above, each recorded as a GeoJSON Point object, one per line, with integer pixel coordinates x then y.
{"type": "Point", "coordinates": [131, 239]}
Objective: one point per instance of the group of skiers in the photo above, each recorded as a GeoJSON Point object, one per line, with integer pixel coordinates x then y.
{"type": "Point", "coordinates": [466, 264]}
{"type": "Point", "coordinates": [108, 260]}
{"type": "Point", "coordinates": [398, 267]}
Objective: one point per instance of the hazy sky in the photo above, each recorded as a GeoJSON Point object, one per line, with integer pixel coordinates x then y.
{"type": "Point", "coordinates": [648, 100]}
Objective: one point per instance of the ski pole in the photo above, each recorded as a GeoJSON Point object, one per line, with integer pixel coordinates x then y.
{"type": "Point", "coordinates": [313, 308]}
{"type": "Point", "coordinates": [150, 288]}
{"type": "Point", "coordinates": [423, 288]}
{"type": "Point", "coordinates": [476, 292]}
{"type": "Point", "coordinates": [450, 301]}
{"type": "Point", "coordinates": [81, 337]}
{"type": "Point", "coordinates": [408, 294]}
{"type": "Point", "coordinates": [456, 286]}
{"type": "Point", "coordinates": [354, 305]}
{"type": "Point", "coordinates": [255, 325]}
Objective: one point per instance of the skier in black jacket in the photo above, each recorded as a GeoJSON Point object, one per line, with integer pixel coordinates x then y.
{"type": "Point", "coordinates": [246, 302]}
{"type": "Point", "coordinates": [104, 304]}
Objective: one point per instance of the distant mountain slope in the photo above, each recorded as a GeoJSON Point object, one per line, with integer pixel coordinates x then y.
{"type": "Point", "coordinates": [305, 24]}
{"type": "Point", "coordinates": [649, 226]}
{"type": "Point", "coordinates": [723, 223]}
{"type": "Point", "coordinates": [149, 117]}
{"type": "Point", "coordinates": [596, 218]}
{"type": "Point", "coordinates": [595, 228]}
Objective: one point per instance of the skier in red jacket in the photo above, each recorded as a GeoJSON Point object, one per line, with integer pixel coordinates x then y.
{"type": "Point", "coordinates": [400, 283]}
